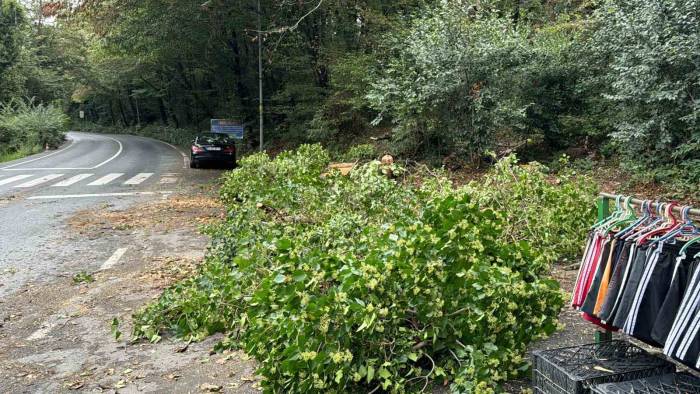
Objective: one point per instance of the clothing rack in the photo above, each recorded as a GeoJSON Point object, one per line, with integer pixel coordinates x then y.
{"type": "Point", "coordinates": [604, 211]}
{"type": "Point", "coordinates": [604, 203]}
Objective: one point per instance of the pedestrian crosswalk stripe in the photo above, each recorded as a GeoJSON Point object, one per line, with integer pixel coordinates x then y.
{"type": "Point", "coordinates": [106, 179]}
{"type": "Point", "coordinates": [40, 180]}
{"type": "Point", "coordinates": [138, 178]}
{"type": "Point", "coordinates": [72, 180]}
{"type": "Point", "coordinates": [14, 179]}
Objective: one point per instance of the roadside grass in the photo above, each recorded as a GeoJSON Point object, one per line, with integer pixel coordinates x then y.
{"type": "Point", "coordinates": [24, 152]}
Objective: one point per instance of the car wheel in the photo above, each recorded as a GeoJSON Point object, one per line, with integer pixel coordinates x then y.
{"type": "Point", "coordinates": [194, 164]}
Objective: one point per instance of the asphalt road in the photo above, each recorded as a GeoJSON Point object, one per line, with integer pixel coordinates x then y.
{"type": "Point", "coordinates": [38, 193]}
{"type": "Point", "coordinates": [124, 211]}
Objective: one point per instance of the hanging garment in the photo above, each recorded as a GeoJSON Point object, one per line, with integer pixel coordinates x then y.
{"type": "Point", "coordinates": [679, 284]}
{"type": "Point", "coordinates": [651, 292]}
{"type": "Point", "coordinates": [682, 341]}
{"type": "Point", "coordinates": [617, 282]}
{"type": "Point", "coordinates": [633, 279]}
{"type": "Point", "coordinates": [597, 275]}
{"type": "Point", "coordinates": [591, 245]}
{"type": "Point", "coordinates": [590, 259]}
{"type": "Point", "coordinates": [607, 276]}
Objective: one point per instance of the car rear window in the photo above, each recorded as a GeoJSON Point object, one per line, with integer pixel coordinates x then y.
{"type": "Point", "coordinates": [214, 139]}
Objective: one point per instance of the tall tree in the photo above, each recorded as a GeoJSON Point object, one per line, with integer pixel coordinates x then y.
{"type": "Point", "coordinates": [13, 35]}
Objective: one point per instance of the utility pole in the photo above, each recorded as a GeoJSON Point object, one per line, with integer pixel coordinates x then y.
{"type": "Point", "coordinates": [260, 76]}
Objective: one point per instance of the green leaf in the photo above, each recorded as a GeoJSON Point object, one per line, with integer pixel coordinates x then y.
{"type": "Point", "coordinates": [384, 373]}
{"type": "Point", "coordinates": [115, 329]}
{"type": "Point", "coordinates": [299, 276]}
{"type": "Point", "coordinates": [284, 244]}
{"type": "Point", "coordinates": [280, 278]}
{"type": "Point", "coordinates": [370, 373]}
{"type": "Point", "coordinates": [339, 376]}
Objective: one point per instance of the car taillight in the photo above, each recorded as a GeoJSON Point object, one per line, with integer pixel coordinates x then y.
{"type": "Point", "coordinates": [196, 149]}
{"type": "Point", "coordinates": [229, 149]}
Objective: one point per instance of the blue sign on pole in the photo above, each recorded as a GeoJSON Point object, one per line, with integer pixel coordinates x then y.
{"type": "Point", "coordinates": [227, 126]}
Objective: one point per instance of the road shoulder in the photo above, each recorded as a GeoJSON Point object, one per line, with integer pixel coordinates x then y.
{"type": "Point", "coordinates": [56, 336]}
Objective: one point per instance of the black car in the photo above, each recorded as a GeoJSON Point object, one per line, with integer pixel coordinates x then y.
{"type": "Point", "coordinates": [213, 148]}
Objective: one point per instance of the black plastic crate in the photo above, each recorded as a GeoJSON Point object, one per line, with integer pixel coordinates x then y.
{"type": "Point", "coordinates": [575, 369]}
{"type": "Point", "coordinates": [671, 383]}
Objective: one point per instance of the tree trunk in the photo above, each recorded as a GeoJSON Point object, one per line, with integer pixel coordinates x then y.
{"type": "Point", "coordinates": [122, 112]}
{"type": "Point", "coordinates": [163, 113]}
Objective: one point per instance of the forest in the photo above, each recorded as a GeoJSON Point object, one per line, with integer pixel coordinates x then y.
{"type": "Point", "coordinates": [445, 82]}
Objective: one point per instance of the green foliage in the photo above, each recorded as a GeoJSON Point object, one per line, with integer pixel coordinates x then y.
{"type": "Point", "coordinates": [13, 36]}
{"type": "Point", "coordinates": [18, 154]}
{"type": "Point", "coordinates": [548, 211]}
{"type": "Point", "coordinates": [114, 329]}
{"type": "Point", "coordinates": [37, 60]}
{"type": "Point", "coordinates": [679, 181]}
{"type": "Point", "coordinates": [645, 58]}
{"type": "Point", "coordinates": [347, 283]}
{"type": "Point", "coordinates": [449, 78]}
{"type": "Point", "coordinates": [466, 79]}
{"type": "Point", "coordinates": [361, 152]}
{"type": "Point", "coordinates": [56, 63]}
{"type": "Point", "coordinates": [26, 126]}
{"type": "Point", "coordinates": [180, 66]}
{"type": "Point", "coordinates": [83, 277]}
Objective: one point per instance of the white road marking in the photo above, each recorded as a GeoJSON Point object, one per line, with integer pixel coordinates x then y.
{"type": "Point", "coordinates": [125, 194]}
{"type": "Point", "coordinates": [72, 180]}
{"type": "Point", "coordinates": [119, 151]}
{"type": "Point", "coordinates": [40, 180]}
{"type": "Point", "coordinates": [74, 306]}
{"type": "Point", "coordinates": [114, 259]}
{"type": "Point", "coordinates": [48, 169]}
{"type": "Point", "coordinates": [166, 180]}
{"type": "Point", "coordinates": [14, 179]}
{"type": "Point", "coordinates": [106, 179]}
{"type": "Point", "coordinates": [139, 178]}
{"type": "Point", "coordinates": [185, 158]}
{"type": "Point", "coordinates": [121, 148]}
{"type": "Point", "coordinates": [59, 318]}
{"type": "Point", "coordinates": [42, 157]}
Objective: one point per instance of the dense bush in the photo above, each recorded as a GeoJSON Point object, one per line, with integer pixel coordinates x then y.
{"type": "Point", "coordinates": [680, 181]}
{"type": "Point", "coordinates": [360, 152]}
{"type": "Point", "coordinates": [548, 211]}
{"type": "Point", "coordinates": [466, 79]}
{"type": "Point", "coordinates": [338, 284]}
{"type": "Point", "coordinates": [25, 126]}
{"type": "Point", "coordinates": [645, 58]}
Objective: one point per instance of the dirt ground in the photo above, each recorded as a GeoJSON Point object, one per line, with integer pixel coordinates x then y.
{"type": "Point", "coordinates": [56, 336]}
